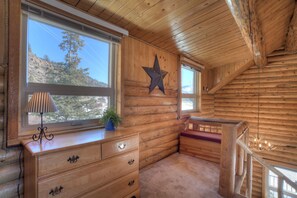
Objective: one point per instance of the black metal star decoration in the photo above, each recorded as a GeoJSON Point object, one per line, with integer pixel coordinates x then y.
{"type": "Point", "coordinates": [157, 75]}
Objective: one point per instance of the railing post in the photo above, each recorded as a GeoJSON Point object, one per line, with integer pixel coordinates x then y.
{"type": "Point", "coordinates": [240, 160]}
{"type": "Point", "coordinates": [280, 187]}
{"type": "Point", "coordinates": [228, 160]}
{"type": "Point", "coordinates": [246, 140]}
{"type": "Point", "coordinates": [249, 176]}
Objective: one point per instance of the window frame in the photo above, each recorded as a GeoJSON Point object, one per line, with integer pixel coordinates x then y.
{"type": "Point", "coordinates": [197, 89]}
{"type": "Point", "coordinates": [266, 182]}
{"type": "Point", "coordinates": [12, 121]}
{"type": "Point", "coordinates": [26, 88]}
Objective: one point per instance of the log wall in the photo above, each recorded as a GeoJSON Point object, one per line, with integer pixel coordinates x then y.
{"type": "Point", "coordinates": [155, 114]}
{"type": "Point", "coordinates": [207, 100]}
{"type": "Point", "coordinates": [9, 166]}
{"type": "Point", "coordinates": [277, 109]}
{"type": "Point", "coordinates": [207, 106]}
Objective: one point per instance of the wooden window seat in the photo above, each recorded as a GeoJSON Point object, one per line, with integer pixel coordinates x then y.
{"type": "Point", "coordinates": [202, 141]}
{"type": "Point", "coordinates": [200, 135]}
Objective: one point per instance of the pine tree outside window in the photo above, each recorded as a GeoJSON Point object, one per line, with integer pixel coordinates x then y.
{"type": "Point", "coordinates": [76, 66]}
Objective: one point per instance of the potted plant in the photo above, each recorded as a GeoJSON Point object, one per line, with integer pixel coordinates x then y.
{"type": "Point", "coordinates": [110, 119]}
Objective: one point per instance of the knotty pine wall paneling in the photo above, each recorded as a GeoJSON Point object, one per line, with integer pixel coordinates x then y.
{"type": "Point", "coordinates": [277, 90]}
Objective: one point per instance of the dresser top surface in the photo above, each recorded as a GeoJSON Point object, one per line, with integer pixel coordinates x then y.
{"type": "Point", "coordinates": [75, 139]}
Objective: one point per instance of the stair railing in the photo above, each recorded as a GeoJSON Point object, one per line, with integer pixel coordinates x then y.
{"type": "Point", "coordinates": [236, 164]}
{"type": "Point", "coordinates": [250, 156]}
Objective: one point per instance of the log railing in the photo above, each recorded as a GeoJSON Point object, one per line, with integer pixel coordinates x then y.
{"type": "Point", "coordinates": [197, 124]}
{"type": "Point", "coordinates": [250, 156]}
{"type": "Point", "coordinates": [236, 163]}
{"type": "Point", "coordinates": [233, 168]}
{"type": "Point", "coordinates": [232, 158]}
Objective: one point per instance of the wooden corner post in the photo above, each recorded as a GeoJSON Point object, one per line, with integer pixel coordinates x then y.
{"type": "Point", "coordinates": [228, 160]}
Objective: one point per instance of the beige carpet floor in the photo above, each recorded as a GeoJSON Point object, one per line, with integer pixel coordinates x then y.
{"type": "Point", "coordinates": [180, 176]}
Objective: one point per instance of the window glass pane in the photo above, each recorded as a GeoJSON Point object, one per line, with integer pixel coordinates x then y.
{"type": "Point", "coordinates": [273, 179]}
{"type": "Point", "coordinates": [188, 81]}
{"type": "Point", "coordinates": [59, 56]}
{"type": "Point", "coordinates": [188, 103]}
{"type": "Point", "coordinates": [72, 108]}
{"type": "Point", "coordinates": [291, 175]}
{"type": "Point", "coordinates": [272, 194]}
{"type": "Point", "coordinates": [288, 191]}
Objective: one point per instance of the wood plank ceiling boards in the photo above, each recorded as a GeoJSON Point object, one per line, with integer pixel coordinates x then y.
{"type": "Point", "coordinates": [203, 30]}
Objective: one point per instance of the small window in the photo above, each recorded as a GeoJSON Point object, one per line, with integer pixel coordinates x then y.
{"type": "Point", "coordinates": [190, 88]}
{"type": "Point", "coordinates": [272, 184]}
{"type": "Point", "coordinates": [74, 65]}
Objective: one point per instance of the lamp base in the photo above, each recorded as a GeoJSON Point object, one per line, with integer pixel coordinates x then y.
{"type": "Point", "coordinates": [41, 133]}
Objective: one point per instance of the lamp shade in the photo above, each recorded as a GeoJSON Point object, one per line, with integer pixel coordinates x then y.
{"type": "Point", "coordinates": [41, 102]}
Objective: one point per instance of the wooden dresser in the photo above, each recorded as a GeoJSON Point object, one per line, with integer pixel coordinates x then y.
{"type": "Point", "coordinates": [84, 164]}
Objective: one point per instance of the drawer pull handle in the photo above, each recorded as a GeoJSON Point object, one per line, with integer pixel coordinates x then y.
{"type": "Point", "coordinates": [131, 182]}
{"type": "Point", "coordinates": [130, 162]}
{"type": "Point", "coordinates": [133, 196]}
{"type": "Point", "coordinates": [73, 159]}
{"type": "Point", "coordinates": [122, 146]}
{"type": "Point", "coordinates": [56, 191]}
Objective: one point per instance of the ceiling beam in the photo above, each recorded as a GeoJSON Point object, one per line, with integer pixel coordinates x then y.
{"type": "Point", "coordinates": [231, 76]}
{"type": "Point", "coordinates": [245, 15]}
{"type": "Point", "coordinates": [291, 41]}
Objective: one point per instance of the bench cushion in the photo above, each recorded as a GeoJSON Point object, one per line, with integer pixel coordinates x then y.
{"type": "Point", "coordinates": [213, 137]}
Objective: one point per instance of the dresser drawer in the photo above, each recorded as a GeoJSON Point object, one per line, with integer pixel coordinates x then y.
{"type": "Point", "coordinates": [86, 178]}
{"type": "Point", "coordinates": [135, 194]}
{"type": "Point", "coordinates": [66, 160]}
{"type": "Point", "coordinates": [118, 189]}
{"type": "Point", "coordinates": [116, 147]}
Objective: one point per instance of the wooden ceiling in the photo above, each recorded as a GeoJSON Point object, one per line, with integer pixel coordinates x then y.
{"type": "Point", "coordinates": [275, 16]}
{"type": "Point", "coordinates": [203, 30]}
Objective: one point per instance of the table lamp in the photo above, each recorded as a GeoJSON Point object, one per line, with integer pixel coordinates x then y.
{"type": "Point", "coordinates": [41, 102]}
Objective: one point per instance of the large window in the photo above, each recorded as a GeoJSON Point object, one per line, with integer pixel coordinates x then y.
{"type": "Point", "coordinates": [190, 83]}
{"type": "Point", "coordinates": [71, 62]}
{"type": "Point", "coordinates": [272, 184]}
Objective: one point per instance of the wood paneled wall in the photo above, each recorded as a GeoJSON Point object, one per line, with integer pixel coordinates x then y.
{"type": "Point", "coordinates": [277, 89]}
{"type": "Point", "coordinates": [155, 114]}
{"type": "Point", "coordinates": [220, 73]}
{"type": "Point", "coordinates": [274, 17]}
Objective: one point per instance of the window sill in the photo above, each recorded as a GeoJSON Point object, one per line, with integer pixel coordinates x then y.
{"type": "Point", "coordinates": [191, 111]}
{"type": "Point", "coordinates": [187, 114]}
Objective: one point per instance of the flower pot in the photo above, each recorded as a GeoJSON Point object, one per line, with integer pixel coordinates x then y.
{"type": "Point", "coordinates": [109, 126]}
